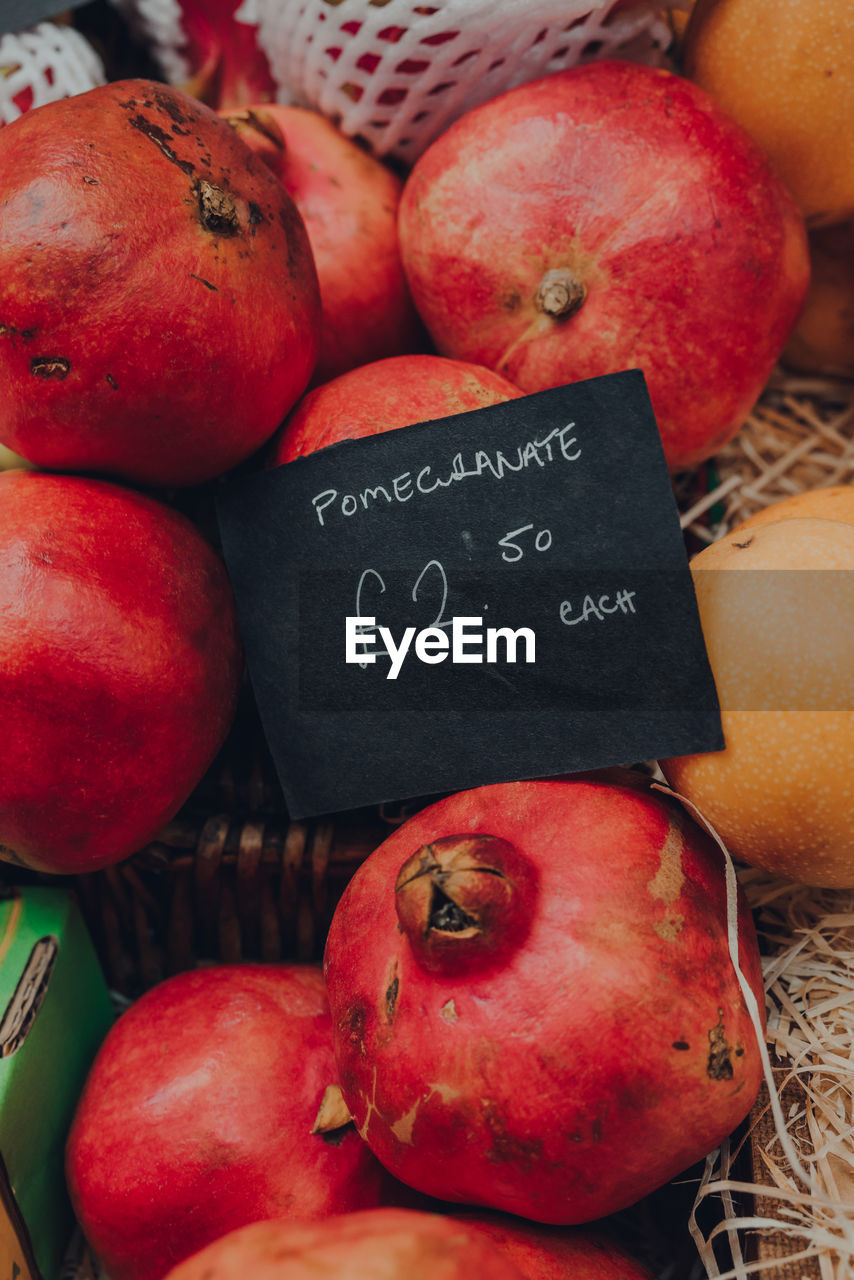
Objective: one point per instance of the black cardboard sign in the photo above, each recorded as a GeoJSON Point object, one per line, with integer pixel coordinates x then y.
{"type": "Point", "coordinates": [18, 15]}
{"type": "Point", "coordinates": [551, 517]}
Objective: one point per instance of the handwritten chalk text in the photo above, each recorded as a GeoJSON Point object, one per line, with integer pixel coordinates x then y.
{"type": "Point", "coordinates": [558, 445]}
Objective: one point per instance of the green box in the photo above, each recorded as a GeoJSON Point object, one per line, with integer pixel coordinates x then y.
{"type": "Point", "coordinates": [54, 1012]}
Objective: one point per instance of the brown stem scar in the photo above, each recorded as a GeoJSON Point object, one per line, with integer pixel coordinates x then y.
{"type": "Point", "coordinates": [560, 293]}
{"type": "Point", "coordinates": [217, 210]}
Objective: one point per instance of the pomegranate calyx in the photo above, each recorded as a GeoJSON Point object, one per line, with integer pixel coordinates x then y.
{"type": "Point", "coordinates": [461, 899]}
{"type": "Point", "coordinates": [560, 293]}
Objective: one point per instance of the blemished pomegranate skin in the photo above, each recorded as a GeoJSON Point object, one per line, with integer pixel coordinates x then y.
{"type": "Point", "coordinates": [533, 1001]}
{"type": "Point", "coordinates": [383, 396]}
{"type": "Point", "coordinates": [121, 666]}
{"type": "Point", "coordinates": [197, 1119]}
{"type": "Point", "coordinates": [159, 306]}
{"type": "Point", "coordinates": [348, 201]}
{"type": "Point", "coordinates": [603, 218]}
{"type": "Point", "coordinates": [378, 1244]}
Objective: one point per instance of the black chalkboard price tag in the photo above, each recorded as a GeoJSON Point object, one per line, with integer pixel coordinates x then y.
{"type": "Point", "coordinates": [18, 15]}
{"type": "Point", "coordinates": [502, 594]}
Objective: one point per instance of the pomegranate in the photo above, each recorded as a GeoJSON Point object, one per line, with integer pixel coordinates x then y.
{"type": "Point", "coordinates": [208, 1108]}
{"type": "Point", "coordinates": [206, 47]}
{"type": "Point", "coordinates": [348, 201]}
{"type": "Point", "coordinates": [391, 393]}
{"type": "Point", "coordinates": [533, 1001]}
{"type": "Point", "coordinates": [159, 310]}
{"type": "Point", "coordinates": [604, 218]}
{"type": "Point", "coordinates": [121, 665]}
{"type": "Point", "coordinates": [383, 1244]}
{"type": "Point", "coordinates": [547, 1253]}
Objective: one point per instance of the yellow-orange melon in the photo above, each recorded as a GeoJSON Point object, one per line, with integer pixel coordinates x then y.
{"type": "Point", "coordinates": [781, 646]}
{"type": "Point", "coordinates": [785, 70]}
{"type": "Point", "coordinates": [836, 502]}
{"type": "Point", "coordinates": [823, 339]}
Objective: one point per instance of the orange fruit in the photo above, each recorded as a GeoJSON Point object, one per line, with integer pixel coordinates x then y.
{"type": "Point", "coordinates": [782, 793]}
{"type": "Point", "coordinates": [836, 502]}
{"type": "Point", "coordinates": [823, 338]}
{"type": "Point", "coordinates": [785, 70]}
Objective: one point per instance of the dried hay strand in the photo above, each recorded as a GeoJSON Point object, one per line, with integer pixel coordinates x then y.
{"type": "Point", "coordinates": [803, 1132]}
{"type": "Point", "coordinates": [799, 436]}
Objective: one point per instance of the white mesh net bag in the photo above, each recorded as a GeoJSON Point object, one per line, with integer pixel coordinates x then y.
{"type": "Point", "coordinates": [43, 64]}
{"type": "Point", "coordinates": [159, 23]}
{"type": "Point", "coordinates": [398, 73]}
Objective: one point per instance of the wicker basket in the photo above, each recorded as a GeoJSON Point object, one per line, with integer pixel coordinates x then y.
{"type": "Point", "coordinates": [771, 1246]}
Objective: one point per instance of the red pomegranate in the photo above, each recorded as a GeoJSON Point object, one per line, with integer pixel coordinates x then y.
{"type": "Point", "coordinates": [201, 1114]}
{"type": "Point", "coordinates": [159, 310]}
{"type": "Point", "coordinates": [533, 1000]}
{"type": "Point", "coordinates": [605, 218]}
{"type": "Point", "coordinates": [379, 1244]}
{"type": "Point", "coordinates": [205, 46]}
{"type": "Point", "coordinates": [391, 393]}
{"type": "Point", "coordinates": [550, 1253]}
{"type": "Point", "coordinates": [121, 664]}
{"type": "Point", "coordinates": [348, 201]}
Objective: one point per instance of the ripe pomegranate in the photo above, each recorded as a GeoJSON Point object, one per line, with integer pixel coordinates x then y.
{"type": "Point", "coordinates": [121, 664]}
{"type": "Point", "coordinates": [391, 393]}
{"type": "Point", "coordinates": [159, 310]}
{"type": "Point", "coordinates": [606, 218]}
{"type": "Point", "coordinates": [383, 1244]}
{"type": "Point", "coordinates": [348, 201]}
{"type": "Point", "coordinates": [204, 46]}
{"type": "Point", "coordinates": [533, 1001]}
{"type": "Point", "coordinates": [201, 1113]}
{"type": "Point", "coordinates": [776, 602]}
{"type": "Point", "coordinates": [547, 1253]}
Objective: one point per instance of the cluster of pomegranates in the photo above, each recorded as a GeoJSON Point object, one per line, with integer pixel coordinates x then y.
{"type": "Point", "coordinates": [531, 1004]}
{"type": "Point", "coordinates": [171, 283]}
{"type": "Point", "coordinates": [528, 1006]}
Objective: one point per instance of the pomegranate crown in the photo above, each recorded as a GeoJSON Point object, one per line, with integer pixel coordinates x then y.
{"type": "Point", "coordinates": [465, 901]}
